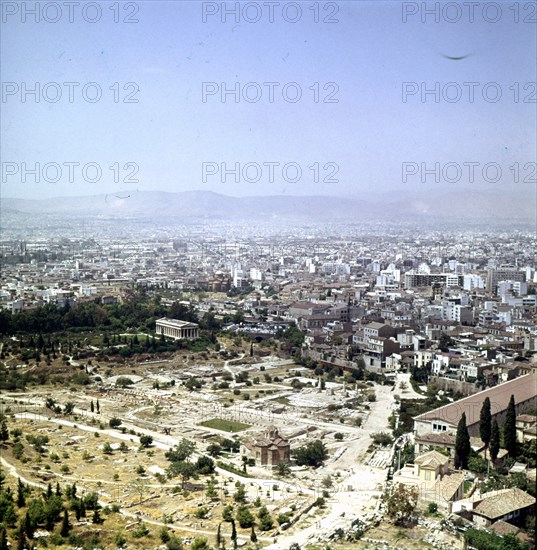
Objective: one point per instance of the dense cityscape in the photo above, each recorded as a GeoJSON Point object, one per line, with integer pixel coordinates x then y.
{"type": "Point", "coordinates": [256, 387]}
{"type": "Point", "coordinates": [268, 275]}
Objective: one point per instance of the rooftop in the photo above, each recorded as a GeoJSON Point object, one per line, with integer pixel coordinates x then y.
{"type": "Point", "coordinates": [177, 323]}
{"type": "Point", "coordinates": [523, 388]}
{"type": "Point", "coordinates": [431, 459]}
{"type": "Point", "coordinates": [499, 503]}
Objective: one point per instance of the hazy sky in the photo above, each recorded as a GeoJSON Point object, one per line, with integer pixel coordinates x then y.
{"type": "Point", "coordinates": [367, 132]}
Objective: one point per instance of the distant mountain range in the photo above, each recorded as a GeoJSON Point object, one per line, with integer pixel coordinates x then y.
{"type": "Point", "coordinates": [191, 205]}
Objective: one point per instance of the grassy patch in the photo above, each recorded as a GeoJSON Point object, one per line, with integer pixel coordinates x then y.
{"type": "Point", "coordinates": [225, 425]}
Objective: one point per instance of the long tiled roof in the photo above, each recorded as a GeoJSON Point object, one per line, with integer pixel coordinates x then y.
{"type": "Point", "coordinates": [523, 388]}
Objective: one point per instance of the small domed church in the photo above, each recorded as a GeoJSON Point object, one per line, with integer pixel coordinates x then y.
{"type": "Point", "coordinates": [270, 448]}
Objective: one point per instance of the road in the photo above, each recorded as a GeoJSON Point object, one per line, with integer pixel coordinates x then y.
{"type": "Point", "coordinates": [359, 486]}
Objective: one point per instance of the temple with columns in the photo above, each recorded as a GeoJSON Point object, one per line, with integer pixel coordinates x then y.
{"type": "Point", "coordinates": [179, 330]}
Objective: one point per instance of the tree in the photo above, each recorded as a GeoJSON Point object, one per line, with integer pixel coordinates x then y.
{"type": "Point", "coordinates": [233, 533]}
{"type": "Point", "coordinates": [146, 441]}
{"type": "Point", "coordinates": [4, 432]}
{"type": "Point", "coordinates": [211, 489]}
{"type": "Point", "coordinates": [482, 540]}
{"type": "Point", "coordinates": [219, 537]}
{"type": "Point", "coordinates": [265, 520]}
{"type": "Point", "coordinates": [120, 540]}
{"type": "Point", "coordinates": [400, 501]}
{"type": "Point", "coordinates": [477, 464]}
{"type": "Point", "coordinates": [200, 544]}
{"type": "Point", "coordinates": [97, 406]}
{"type": "Point", "coordinates": [382, 438]}
{"type": "Point", "coordinates": [509, 429]}
{"type": "Point", "coordinates": [7, 509]}
{"type": "Point", "coordinates": [70, 491]}
{"type": "Point", "coordinates": [3, 539]}
{"type": "Point", "coordinates": [311, 454]}
{"type": "Point", "coordinates": [184, 469]}
{"type": "Point", "coordinates": [205, 465]}
{"type": "Point", "coordinates": [96, 519]}
{"type": "Point", "coordinates": [140, 486]}
{"type": "Point", "coordinates": [327, 481]}
{"type": "Point", "coordinates": [240, 492]}
{"type": "Point", "coordinates": [485, 422]}
{"type": "Point", "coordinates": [253, 536]}
{"type": "Point", "coordinates": [21, 490]}
{"type": "Point", "coordinates": [66, 526]}
{"type": "Point", "coordinates": [182, 451]}
{"type": "Point", "coordinates": [164, 535]}
{"type": "Point", "coordinates": [214, 449]}
{"type": "Point", "coordinates": [91, 501]}
{"type": "Point", "coordinates": [227, 513]}
{"type": "Point", "coordinates": [21, 540]}
{"type": "Point", "coordinates": [92, 406]}
{"type": "Point", "coordinates": [462, 443]}
{"type": "Point", "coordinates": [28, 524]}
{"type": "Point", "coordinates": [494, 440]}
{"type": "Point", "coordinates": [245, 517]}
{"type": "Point", "coordinates": [114, 422]}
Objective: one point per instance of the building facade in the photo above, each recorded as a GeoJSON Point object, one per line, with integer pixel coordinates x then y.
{"type": "Point", "coordinates": [270, 449]}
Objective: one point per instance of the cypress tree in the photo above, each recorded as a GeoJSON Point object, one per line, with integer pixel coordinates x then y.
{"type": "Point", "coordinates": [28, 526]}
{"type": "Point", "coordinates": [485, 422]}
{"type": "Point", "coordinates": [4, 432]}
{"type": "Point", "coordinates": [3, 540]}
{"type": "Point", "coordinates": [77, 508]}
{"type": "Point", "coordinates": [96, 517]}
{"type": "Point", "coordinates": [21, 539]}
{"type": "Point", "coordinates": [509, 428]}
{"type": "Point", "coordinates": [66, 526]}
{"type": "Point", "coordinates": [494, 440]}
{"type": "Point", "coordinates": [253, 536]}
{"type": "Point", "coordinates": [233, 533]}
{"type": "Point", "coordinates": [21, 499]}
{"type": "Point", "coordinates": [462, 443]}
